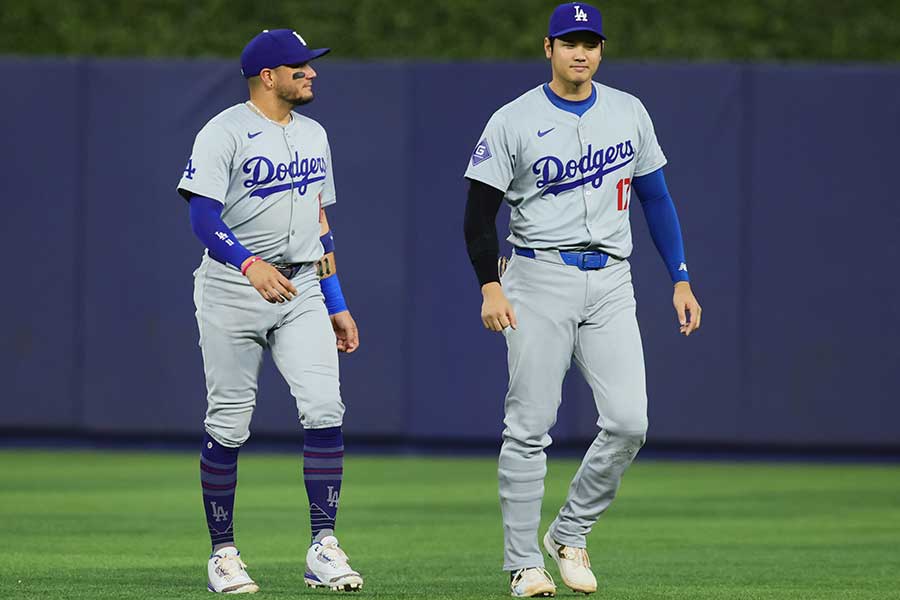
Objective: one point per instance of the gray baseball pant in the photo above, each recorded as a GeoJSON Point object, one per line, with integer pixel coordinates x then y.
{"type": "Point", "coordinates": [562, 313]}
{"type": "Point", "coordinates": [236, 325]}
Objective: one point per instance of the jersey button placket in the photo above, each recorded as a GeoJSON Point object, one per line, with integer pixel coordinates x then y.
{"type": "Point", "coordinates": [584, 149]}
{"type": "Point", "coordinates": [585, 189]}
{"type": "Point", "coordinates": [294, 193]}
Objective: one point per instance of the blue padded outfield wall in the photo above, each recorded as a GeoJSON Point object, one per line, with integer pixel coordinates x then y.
{"type": "Point", "coordinates": [784, 177]}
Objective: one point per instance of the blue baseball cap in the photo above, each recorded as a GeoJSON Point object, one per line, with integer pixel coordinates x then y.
{"type": "Point", "coordinates": [275, 47]}
{"type": "Point", "coordinates": [575, 16]}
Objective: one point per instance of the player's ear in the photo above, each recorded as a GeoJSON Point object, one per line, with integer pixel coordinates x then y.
{"type": "Point", "coordinates": [548, 47]}
{"type": "Point", "coordinates": [267, 78]}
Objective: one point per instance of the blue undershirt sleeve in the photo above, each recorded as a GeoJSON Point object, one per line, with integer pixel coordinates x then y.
{"type": "Point", "coordinates": [206, 221]}
{"type": "Point", "coordinates": [662, 220]}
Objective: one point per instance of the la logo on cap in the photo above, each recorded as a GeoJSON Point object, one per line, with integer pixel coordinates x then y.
{"type": "Point", "coordinates": [580, 15]}
{"type": "Point", "coordinates": [299, 37]}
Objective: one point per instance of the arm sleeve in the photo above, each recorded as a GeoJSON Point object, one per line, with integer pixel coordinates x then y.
{"type": "Point", "coordinates": [649, 156]}
{"type": "Point", "coordinates": [662, 220]}
{"type": "Point", "coordinates": [480, 228]}
{"type": "Point", "coordinates": [206, 221]}
{"type": "Point", "coordinates": [494, 159]}
{"type": "Point", "coordinates": [208, 170]}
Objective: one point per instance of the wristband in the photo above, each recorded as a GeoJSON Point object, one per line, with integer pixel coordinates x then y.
{"type": "Point", "coordinates": [334, 297]}
{"type": "Point", "coordinates": [250, 261]}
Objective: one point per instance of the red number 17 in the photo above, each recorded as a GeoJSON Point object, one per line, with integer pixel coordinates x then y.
{"type": "Point", "coordinates": [624, 187]}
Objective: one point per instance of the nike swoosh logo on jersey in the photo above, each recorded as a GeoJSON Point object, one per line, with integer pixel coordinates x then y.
{"type": "Point", "coordinates": [253, 135]}
{"type": "Point", "coordinates": [543, 133]}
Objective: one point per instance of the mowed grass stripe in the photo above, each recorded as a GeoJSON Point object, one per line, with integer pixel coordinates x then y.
{"type": "Point", "coordinates": [130, 525]}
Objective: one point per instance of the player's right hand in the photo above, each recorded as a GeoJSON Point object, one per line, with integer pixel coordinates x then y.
{"type": "Point", "coordinates": [271, 285]}
{"type": "Point", "coordinates": [496, 312]}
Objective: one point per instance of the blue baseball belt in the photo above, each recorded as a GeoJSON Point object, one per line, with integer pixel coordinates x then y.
{"type": "Point", "coordinates": [589, 260]}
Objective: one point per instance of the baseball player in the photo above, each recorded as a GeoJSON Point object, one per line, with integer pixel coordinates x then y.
{"type": "Point", "coordinates": [565, 156]}
{"type": "Point", "coordinates": [258, 182]}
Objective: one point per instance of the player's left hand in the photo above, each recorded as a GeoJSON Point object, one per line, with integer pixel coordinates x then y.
{"type": "Point", "coordinates": [687, 307]}
{"type": "Point", "coordinates": [346, 332]}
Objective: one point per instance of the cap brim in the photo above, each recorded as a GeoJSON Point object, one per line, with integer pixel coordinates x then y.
{"type": "Point", "coordinates": [572, 29]}
{"type": "Point", "coordinates": [319, 52]}
{"type": "Point", "coordinates": [304, 57]}
{"type": "Point", "coordinates": [309, 55]}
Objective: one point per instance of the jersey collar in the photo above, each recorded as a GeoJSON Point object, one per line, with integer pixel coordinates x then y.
{"type": "Point", "coordinates": [249, 104]}
{"type": "Point", "coordinates": [576, 107]}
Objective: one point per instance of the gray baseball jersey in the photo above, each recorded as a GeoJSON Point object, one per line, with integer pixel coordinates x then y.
{"type": "Point", "coordinates": [568, 179]}
{"type": "Point", "coordinates": [271, 179]}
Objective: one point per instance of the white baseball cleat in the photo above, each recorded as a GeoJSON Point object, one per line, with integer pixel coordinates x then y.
{"type": "Point", "coordinates": [574, 566]}
{"type": "Point", "coordinates": [327, 566]}
{"type": "Point", "coordinates": [228, 574]}
{"type": "Point", "coordinates": [533, 582]}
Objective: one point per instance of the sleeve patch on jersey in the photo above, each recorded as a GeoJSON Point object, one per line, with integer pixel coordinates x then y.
{"type": "Point", "coordinates": [482, 153]}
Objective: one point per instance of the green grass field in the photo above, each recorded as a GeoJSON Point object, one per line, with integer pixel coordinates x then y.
{"type": "Point", "coordinates": [129, 525]}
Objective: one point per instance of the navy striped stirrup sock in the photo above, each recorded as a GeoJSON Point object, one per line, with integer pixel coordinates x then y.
{"type": "Point", "coordinates": [218, 478]}
{"type": "Point", "coordinates": [323, 469]}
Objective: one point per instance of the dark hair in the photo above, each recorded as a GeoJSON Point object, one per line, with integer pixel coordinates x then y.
{"type": "Point", "coordinates": [602, 41]}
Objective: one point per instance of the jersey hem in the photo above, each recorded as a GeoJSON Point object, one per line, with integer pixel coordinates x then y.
{"type": "Point", "coordinates": [651, 169]}
{"type": "Point", "coordinates": [183, 191]}
{"type": "Point", "coordinates": [485, 181]}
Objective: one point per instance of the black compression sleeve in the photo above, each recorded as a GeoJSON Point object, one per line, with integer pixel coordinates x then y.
{"type": "Point", "coordinates": [480, 227]}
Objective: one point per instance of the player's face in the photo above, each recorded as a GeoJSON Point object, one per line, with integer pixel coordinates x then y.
{"type": "Point", "coordinates": [294, 83]}
{"type": "Point", "coordinates": [574, 57]}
